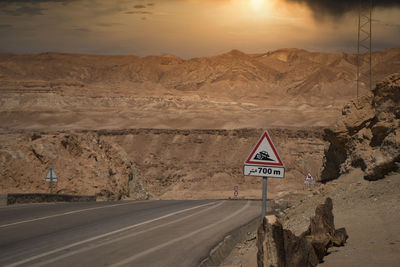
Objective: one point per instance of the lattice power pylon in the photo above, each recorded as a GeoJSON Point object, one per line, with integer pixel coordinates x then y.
{"type": "Point", "coordinates": [364, 44]}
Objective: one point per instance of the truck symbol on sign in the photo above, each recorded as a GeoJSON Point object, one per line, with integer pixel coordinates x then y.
{"type": "Point", "coordinates": [263, 155]}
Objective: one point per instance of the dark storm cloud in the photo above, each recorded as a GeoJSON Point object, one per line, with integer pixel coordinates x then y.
{"type": "Point", "coordinates": [139, 6]}
{"type": "Point", "coordinates": [31, 1]}
{"type": "Point", "coordinates": [25, 7]}
{"type": "Point", "coordinates": [5, 26]}
{"type": "Point", "coordinates": [338, 8]}
{"type": "Point", "coordinates": [22, 10]}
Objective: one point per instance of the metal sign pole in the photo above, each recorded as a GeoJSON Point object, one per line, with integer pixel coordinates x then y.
{"type": "Point", "coordinates": [51, 180]}
{"type": "Point", "coordinates": [264, 198]}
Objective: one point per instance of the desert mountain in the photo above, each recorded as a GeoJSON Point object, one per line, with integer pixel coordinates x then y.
{"type": "Point", "coordinates": [292, 71]}
{"type": "Point", "coordinates": [232, 90]}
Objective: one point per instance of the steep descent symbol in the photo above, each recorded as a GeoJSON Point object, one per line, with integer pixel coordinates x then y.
{"type": "Point", "coordinates": [263, 155]}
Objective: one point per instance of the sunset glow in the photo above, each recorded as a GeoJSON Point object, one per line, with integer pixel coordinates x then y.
{"type": "Point", "coordinates": [186, 28]}
{"type": "Point", "coordinates": [257, 4]}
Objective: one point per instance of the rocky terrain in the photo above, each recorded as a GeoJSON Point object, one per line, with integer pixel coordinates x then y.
{"type": "Point", "coordinates": [368, 135]}
{"type": "Point", "coordinates": [124, 127]}
{"type": "Point", "coordinates": [369, 210]}
{"type": "Point", "coordinates": [183, 126]}
{"type": "Point", "coordinates": [85, 164]}
{"type": "Point", "coordinates": [363, 160]}
{"type": "Point", "coordinates": [287, 87]}
{"type": "Point", "coordinates": [173, 164]}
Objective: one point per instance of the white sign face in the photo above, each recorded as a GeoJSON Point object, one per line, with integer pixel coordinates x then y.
{"type": "Point", "coordinates": [264, 160]}
{"type": "Point", "coordinates": [51, 176]}
{"type": "Point", "coordinates": [264, 171]}
{"type": "Point", "coordinates": [264, 153]}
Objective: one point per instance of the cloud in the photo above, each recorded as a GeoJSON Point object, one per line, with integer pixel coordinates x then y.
{"type": "Point", "coordinates": [32, 1]}
{"type": "Point", "coordinates": [139, 12]}
{"type": "Point", "coordinates": [338, 8]}
{"type": "Point", "coordinates": [23, 10]}
{"type": "Point", "coordinates": [80, 29]}
{"type": "Point", "coordinates": [27, 7]}
{"type": "Point", "coordinates": [6, 26]}
{"type": "Point", "coordinates": [107, 24]}
{"type": "Point", "coordinates": [139, 6]}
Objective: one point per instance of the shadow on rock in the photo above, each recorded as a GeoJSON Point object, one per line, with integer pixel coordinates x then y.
{"type": "Point", "coordinates": [280, 247]}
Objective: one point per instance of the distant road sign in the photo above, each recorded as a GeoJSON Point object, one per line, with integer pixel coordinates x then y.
{"type": "Point", "coordinates": [51, 176]}
{"type": "Point", "coordinates": [309, 179]}
{"type": "Point", "coordinates": [264, 160]}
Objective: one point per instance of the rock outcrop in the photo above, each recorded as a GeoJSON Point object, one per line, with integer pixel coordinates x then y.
{"type": "Point", "coordinates": [280, 247]}
{"type": "Point", "coordinates": [84, 163]}
{"type": "Point", "coordinates": [368, 134]}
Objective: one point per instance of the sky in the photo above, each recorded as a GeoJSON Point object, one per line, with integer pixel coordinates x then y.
{"type": "Point", "coordinates": [190, 28]}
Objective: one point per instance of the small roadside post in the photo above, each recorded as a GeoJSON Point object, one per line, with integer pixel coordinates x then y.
{"type": "Point", "coordinates": [51, 177]}
{"type": "Point", "coordinates": [264, 161]}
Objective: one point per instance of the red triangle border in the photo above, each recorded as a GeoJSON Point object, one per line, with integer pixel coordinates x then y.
{"type": "Point", "coordinates": [278, 164]}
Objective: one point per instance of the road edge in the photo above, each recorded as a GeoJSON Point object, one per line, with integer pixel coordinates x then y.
{"type": "Point", "coordinates": [219, 252]}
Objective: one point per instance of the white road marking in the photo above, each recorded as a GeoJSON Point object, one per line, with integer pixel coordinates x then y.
{"type": "Point", "coordinates": [66, 213]}
{"type": "Point", "coordinates": [103, 235]}
{"type": "Point", "coordinates": [65, 255]}
{"type": "Point", "coordinates": [153, 249]}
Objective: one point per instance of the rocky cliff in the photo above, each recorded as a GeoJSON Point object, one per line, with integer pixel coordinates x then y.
{"type": "Point", "coordinates": [84, 163]}
{"type": "Point", "coordinates": [169, 164]}
{"type": "Point", "coordinates": [367, 136]}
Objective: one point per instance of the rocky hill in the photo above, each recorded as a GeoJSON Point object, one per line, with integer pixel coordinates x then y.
{"type": "Point", "coordinates": [185, 125]}
{"type": "Point", "coordinates": [84, 163]}
{"type": "Point", "coordinates": [141, 163]}
{"type": "Point", "coordinates": [368, 134]}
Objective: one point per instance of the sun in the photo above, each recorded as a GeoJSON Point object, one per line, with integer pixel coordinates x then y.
{"type": "Point", "coordinates": [257, 4]}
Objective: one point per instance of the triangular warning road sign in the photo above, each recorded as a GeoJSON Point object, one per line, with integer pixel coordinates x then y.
{"type": "Point", "coordinates": [264, 153]}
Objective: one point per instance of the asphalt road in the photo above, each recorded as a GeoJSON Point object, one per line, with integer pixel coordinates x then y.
{"type": "Point", "coordinates": [127, 233]}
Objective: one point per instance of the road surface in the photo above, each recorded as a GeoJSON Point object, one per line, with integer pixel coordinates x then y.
{"type": "Point", "coordinates": [126, 233]}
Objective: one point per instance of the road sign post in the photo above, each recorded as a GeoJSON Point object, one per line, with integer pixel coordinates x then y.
{"type": "Point", "coordinates": [264, 161]}
{"type": "Point", "coordinates": [264, 198]}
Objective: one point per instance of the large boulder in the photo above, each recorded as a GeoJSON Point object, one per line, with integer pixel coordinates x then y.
{"type": "Point", "coordinates": [279, 247]}
{"type": "Point", "coordinates": [367, 136]}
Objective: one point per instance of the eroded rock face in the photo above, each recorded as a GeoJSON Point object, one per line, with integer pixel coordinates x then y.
{"type": "Point", "coordinates": [280, 247]}
{"type": "Point", "coordinates": [368, 134]}
{"type": "Point", "coordinates": [84, 163]}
